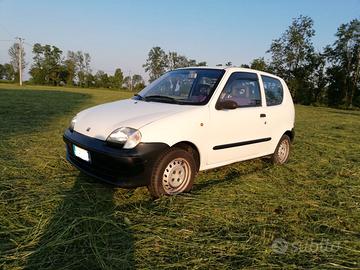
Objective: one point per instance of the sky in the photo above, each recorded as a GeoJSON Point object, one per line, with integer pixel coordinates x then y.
{"type": "Point", "coordinates": [121, 33]}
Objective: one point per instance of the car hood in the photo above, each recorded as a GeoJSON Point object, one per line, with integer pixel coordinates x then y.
{"type": "Point", "coordinates": [99, 121]}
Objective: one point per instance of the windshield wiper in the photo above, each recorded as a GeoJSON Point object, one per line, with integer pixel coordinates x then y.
{"type": "Point", "coordinates": [161, 98]}
{"type": "Point", "coordinates": [140, 97]}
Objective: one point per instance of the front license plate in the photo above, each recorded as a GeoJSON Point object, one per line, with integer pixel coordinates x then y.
{"type": "Point", "coordinates": [81, 153]}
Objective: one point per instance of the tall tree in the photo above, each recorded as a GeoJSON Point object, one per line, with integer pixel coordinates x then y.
{"type": "Point", "coordinates": [344, 55]}
{"type": "Point", "coordinates": [71, 67]}
{"type": "Point", "coordinates": [46, 67]}
{"type": "Point", "coordinates": [156, 63]}
{"type": "Point", "coordinates": [291, 54]}
{"type": "Point", "coordinates": [117, 79]}
{"type": "Point", "coordinates": [83, 68]}
{"type": "Point", "coordinates": [14, 52]}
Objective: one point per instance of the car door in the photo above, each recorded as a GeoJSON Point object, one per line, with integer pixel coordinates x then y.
{"type": "Point", "coordinates": [238, 129]}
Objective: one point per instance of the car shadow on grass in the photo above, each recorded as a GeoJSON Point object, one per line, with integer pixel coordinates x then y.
{"type": "Point", "coordinates": [228, 174]}
{"type": "Point", "coordinates": [84, 233]}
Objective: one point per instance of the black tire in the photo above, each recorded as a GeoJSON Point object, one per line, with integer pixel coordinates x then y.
{"type": "Point", "coordinates": [279, 157]}
{"type": "Point", "coordinates": [181, 162]}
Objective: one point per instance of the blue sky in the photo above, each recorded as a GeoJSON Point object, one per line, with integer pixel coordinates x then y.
{"type": "Point", "coordinates": [120, 33]}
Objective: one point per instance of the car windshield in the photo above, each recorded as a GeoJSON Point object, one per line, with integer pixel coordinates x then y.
{"type": "Point", "coordinates": [183, 86]}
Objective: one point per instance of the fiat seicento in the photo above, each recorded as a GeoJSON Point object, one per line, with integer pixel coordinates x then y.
{"type": "Point", "coordinates": [188, 120]}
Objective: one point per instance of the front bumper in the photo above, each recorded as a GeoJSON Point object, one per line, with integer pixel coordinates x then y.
{"type": "Point", "coordinates": [126, 168]}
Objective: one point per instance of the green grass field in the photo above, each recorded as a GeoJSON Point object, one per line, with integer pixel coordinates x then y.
{"type": "Point", "coordinates": [304, 215]}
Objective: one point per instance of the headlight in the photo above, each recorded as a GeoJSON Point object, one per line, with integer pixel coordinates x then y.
{"type": "Point", "coordinates": [72, 123]}
{"type": "Point", "coordinates": [129, 137]}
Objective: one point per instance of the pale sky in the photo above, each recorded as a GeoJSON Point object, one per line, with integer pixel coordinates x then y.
{"type": "Point", "coordinates": [121, 33]}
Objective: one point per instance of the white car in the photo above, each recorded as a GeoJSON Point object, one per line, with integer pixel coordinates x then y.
{"type": "Point", "coordinates": [188, 120]}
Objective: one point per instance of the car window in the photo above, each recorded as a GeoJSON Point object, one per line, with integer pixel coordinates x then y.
{"type": "Point", "coordinates": [243, 89]}
{"type": "Point", "coordinates": [273, 91]}
{"type": "Point", "coordinates": [183, 86]}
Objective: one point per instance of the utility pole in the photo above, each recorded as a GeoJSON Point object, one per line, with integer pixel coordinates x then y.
{"type": "Point", "coordinates": [20, 59]}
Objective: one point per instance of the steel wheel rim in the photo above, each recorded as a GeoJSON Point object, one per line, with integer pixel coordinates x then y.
{"type": "Point", "coordinates": [283, 151]}
{"type": "Point", "coordinates": [176, 176]}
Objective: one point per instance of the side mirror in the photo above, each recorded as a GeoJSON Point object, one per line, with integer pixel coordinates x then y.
{"type": "Point", "coordinates": [226, 105]}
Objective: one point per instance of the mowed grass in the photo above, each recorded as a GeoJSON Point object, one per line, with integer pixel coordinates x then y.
{"type": "Point", "coordinates": [253, 215]}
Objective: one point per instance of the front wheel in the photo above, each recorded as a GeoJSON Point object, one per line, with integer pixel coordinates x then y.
{"type": "Point", "coordinates": [282, 151]}
{"type": "Point", "coordinates": [173, 173]}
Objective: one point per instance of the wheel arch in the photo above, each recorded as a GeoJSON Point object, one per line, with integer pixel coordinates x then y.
{"type": "Point", "coordinates": [291, 134]}
{"type": "Point", "coordinates": [192, 148]}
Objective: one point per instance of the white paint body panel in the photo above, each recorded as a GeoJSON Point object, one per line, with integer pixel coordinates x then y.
{"type": "Point", "coordinates": [204, 126]}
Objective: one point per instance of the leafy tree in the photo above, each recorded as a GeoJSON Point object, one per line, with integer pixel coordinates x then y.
{"type": "Point", "coordinates": [156, 63]}
{"type": "Point", "coordinates": [102, 79]}
{"type": "Point", "coordinates": [344, 56]}
{"type": "Point", "coordinates": [82, 61]}
{"type": "Point", "coordinates": [134, 83]}
{"type": "Point", "coordinates": [14, 53]}
{"type": "Point", "coordinates": [127, 83]}
{"type": "Point", "coordinates": [176, 61]}
{"type": "Point", "coordinates": [9, 72]}
{"type": "Point", "coordinates": [318, 78]}
{"type": "Point", "coordinates": [137, 82]}
{"type": "Point", "coordinates": [202, 64]}
{"type": "Point", "coordinates": [259, 64]}
{"type": "Point", "coordinates": [2, 71]}
{"type": "Point", "coordinates": [46, 68]}
{"type": "Point", "coordinates": [228, 64]}
{"type": "Point", "coordinates": [71, 67]}
{"type": "Point", "coordinates": [117, 79]}
{"type": "Point", "coordinates": [291, 54]}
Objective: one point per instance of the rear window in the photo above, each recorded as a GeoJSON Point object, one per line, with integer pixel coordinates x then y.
{"type": "Point", "coordinates": [273, 90]}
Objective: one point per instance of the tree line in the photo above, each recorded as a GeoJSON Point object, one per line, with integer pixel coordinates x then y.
{"type": "Point", "coordinates": [328, 77]}
{"type": "Point", "coordinates": [51, 67]}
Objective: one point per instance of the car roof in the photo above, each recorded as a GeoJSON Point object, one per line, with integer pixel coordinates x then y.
{"type": "Point", "coordinates": [233, 69]}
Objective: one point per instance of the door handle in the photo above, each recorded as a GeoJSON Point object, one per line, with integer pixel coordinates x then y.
{"type": "Point", "coordinates": [262, 115]}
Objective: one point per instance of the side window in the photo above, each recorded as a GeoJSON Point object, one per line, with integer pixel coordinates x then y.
{"type": "Point", "coordinates": [273, 91]}
{"type": "Point", "coordinates": [243, 89]}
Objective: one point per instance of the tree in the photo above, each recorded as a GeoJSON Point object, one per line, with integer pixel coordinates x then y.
{"type": "Point", "coordinates": [2, 71]}
{"type": "Point", "coordinates": [134, 83]}
{"type": "Point", "coordinates": [259, 64]}
{"type": "Point", "coordinates": [176, 61]}
{"type": "Point", "coordinates": [137, 82]}
{"type": "Point", "coordinates": [344, 56]}
{"type": "Point", "coordinates": [318, 78]}
{"type": "Point", "coordinates": [156, 63]}
{"type": "Point", "coordinates": [117, 79]}
{"type": "Point", "coordinates": [82, 61]}
{"type": "Point", "coordinates": [102, 79]}
{"type": "Point", "coordinates": [291, 54]}
{"type": "Point", "coordinates": [14, 53]}
{"type": "Point", "coordinates": [47, 64]}
{"type": "Point", "coordinates": [71, 67]}
{"type": "Point", "coordinates": [9, 72]}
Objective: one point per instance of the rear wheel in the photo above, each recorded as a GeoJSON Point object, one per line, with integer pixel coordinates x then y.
{"type": "Point", "coordinates": [282, 151]}
{"type": "Point", "coordinates": [173, 173]}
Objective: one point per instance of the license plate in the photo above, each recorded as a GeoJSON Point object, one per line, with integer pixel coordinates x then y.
{"type": "Point", "coordinates": [81, 153]}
